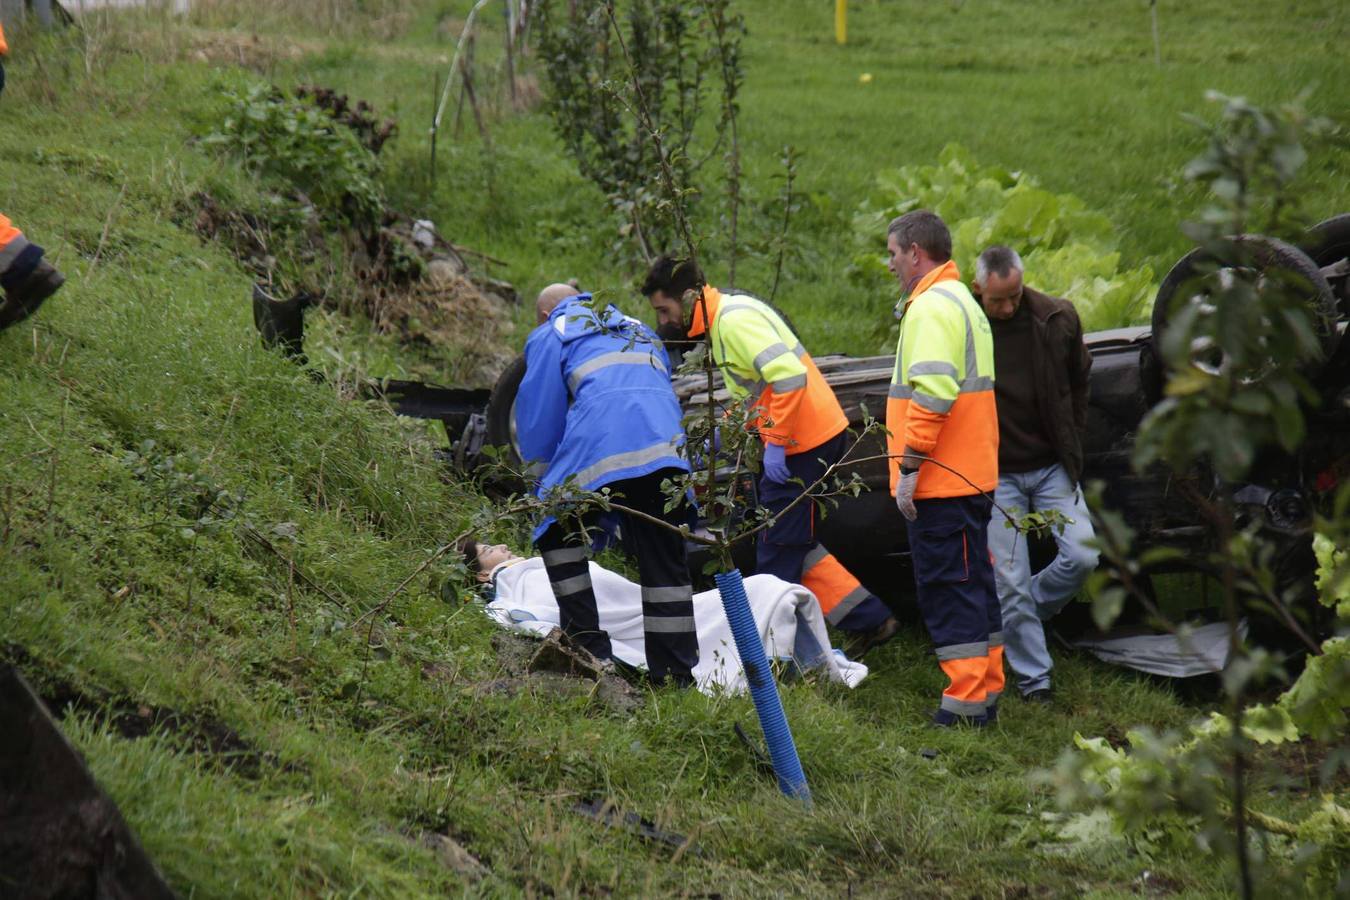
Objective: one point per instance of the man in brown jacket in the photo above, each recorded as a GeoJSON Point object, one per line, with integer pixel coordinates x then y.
{"type": "Point", "coordinates": [1041, 392]}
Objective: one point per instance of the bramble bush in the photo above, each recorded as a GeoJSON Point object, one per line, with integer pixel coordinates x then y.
{"type": "Point", "coordinates": [299, 146]}
{"type": "Point", "coordinates": [1069, 250]}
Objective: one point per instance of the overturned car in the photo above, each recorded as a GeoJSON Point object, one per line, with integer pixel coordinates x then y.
{"type": "Point", "coordinates": [1127, 380]}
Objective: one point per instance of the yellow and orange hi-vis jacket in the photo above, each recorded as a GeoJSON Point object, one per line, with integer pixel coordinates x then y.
{"type": "Point", "coordinates": [4, 47]}
{"type": "Point", "coordinates": [765, 365]}
{"type": "Point", "coordinates": [941, 400]}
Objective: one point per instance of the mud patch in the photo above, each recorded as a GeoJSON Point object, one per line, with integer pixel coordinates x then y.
{"type": "Point", "coordinates": [1306, 767]}
{"type": "Point", "coordinates": [454, 855]}
{"type": "Point", "coordinates": [558, 668]}
{"type": "Point", "coordinates": [409, 281]}
{"type": "Point", "coordinates": [195, 733]}
{"type": "Point", "coordinates": [60, 834]}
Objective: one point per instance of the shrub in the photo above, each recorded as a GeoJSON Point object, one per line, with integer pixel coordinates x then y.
{"type": "Point", "coordinates": [1068, 249]}
{"type": "Point", "coordinates": [300, 147]}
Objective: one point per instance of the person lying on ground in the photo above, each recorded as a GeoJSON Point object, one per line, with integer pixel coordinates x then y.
{"type": "Point", "coordinates": [596, 410]}
{"type": "Point", "coordinates": [764, 365]}
{"type": "Point", "coordinates": [519, 596]}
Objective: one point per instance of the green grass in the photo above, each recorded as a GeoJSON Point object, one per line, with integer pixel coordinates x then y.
{"type": "Point", "coordinates": [1066, 91]}
{"type": "Point", "coordinates": [151, 340]}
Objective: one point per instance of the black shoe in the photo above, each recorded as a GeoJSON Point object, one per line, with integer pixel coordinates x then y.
{"type": "Point", "coordinates": [1042, 697]}
{"type": "Point", "coordinates": [866, 640]}
{"type": "Point", "coordinates": [22, 300]}
{"type": "Point", "coordinates": [944, 719]}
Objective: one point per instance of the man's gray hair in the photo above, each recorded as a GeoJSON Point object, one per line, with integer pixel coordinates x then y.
{"type": "Point", "coordinates": [997, 260]}
{"type": "Point", "coordinates": [925, 228]}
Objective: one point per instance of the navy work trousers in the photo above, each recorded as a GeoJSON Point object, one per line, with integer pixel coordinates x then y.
{"type": "Point", "coordinates": [663, 569]}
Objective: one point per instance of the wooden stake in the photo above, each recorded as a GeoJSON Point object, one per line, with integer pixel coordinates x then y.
{"type": "Point", "coordinates": [435, 93]}
{"type": "Point", "coordinates": [466, 77]}
{"type": "Point", "coordinates": [459, 109]}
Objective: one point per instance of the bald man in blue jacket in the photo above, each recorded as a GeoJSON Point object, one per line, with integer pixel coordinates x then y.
{"type": "Point", "coordinates": [596, 409]}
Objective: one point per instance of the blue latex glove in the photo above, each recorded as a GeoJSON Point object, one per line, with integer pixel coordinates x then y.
{"type": "Point", "coordinates": [775, 464]}
{"type": "Point", "coordinates": [699, 459]}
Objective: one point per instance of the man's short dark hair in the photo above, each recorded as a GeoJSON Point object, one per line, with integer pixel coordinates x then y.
{"type": "Point", "coordinates": [997, 260]}
{"type": "Point", "coordinates": [925, 228]}
{"type": "Point", "coordinates": [672, 276]}
{"type": "Point", "coordinates": [470, 547]}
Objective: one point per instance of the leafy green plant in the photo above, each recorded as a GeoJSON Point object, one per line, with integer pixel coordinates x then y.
{"type": "Point", "coordinates": [1068, 249]}
{"type": "Point", "coordinates": [197, 505]}
{"type": "Point", "coordinates": [1172, 791]}
{"type": "Point", "coordinates": [1193, 788]}
{"type": "Point", "coordinates": [598, 75]}
{"type": "Point", "coordinates": [300, 147]}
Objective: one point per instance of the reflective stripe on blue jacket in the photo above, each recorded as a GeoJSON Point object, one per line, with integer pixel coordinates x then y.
{"type": "Point", "coordinates": [596, 401]}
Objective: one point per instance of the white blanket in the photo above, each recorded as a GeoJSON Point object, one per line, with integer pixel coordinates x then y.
{"type": "Point", "coordinates": [789, 619]}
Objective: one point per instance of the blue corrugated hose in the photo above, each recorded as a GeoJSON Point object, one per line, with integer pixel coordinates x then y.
{"type": "Point", "coordinates": [763, 689]}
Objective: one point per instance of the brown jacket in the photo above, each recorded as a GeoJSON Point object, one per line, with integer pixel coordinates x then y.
{"type": "Point", "coordinates": [1062, 364]}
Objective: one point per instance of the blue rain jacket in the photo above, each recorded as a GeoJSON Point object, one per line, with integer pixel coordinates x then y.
{"type": "Point", "coordinates": [596, 401]}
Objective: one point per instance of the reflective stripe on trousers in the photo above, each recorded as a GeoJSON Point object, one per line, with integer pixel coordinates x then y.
{"type": "Point", "coordinates": [954, 577]}
{"type": "Point", "coordinates": [12, 242]}
{"type": "Point", "coordinates": [835, 587]}
{"type": "Point", "coordinates": [671, 641]}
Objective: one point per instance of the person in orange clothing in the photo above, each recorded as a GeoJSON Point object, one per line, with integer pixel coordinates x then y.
{"type": "Point", "coordinates": [26, 278]}
{"type": "Point", "coordinates": [767, 368]}
{"type": "Point", "coordinates": [943, 425]}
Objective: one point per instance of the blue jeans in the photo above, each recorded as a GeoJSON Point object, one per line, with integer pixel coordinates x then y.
{"type": "Point", "coordinates": [1028, 600]}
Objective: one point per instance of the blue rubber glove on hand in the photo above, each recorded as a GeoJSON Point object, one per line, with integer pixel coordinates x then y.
{"type": "Point", "coordinates": [711, 446]}
{"type": "Point", "coordinates": [775, 464]}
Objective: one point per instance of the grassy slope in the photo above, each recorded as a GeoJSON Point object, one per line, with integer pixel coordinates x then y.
{"type": "Point", "coordinates": [154, 342]}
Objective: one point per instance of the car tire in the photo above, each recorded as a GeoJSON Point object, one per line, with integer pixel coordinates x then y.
{"type": "Point", "coordinates": [1270, 254]}
{"type": "Point", "coordinates": [1328, 242]}
{"type": "Point", "coordinates": [500, 428]}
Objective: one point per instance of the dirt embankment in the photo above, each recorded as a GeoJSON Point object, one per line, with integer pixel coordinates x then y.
{"type": "Point", "coordinates": [436, 297]}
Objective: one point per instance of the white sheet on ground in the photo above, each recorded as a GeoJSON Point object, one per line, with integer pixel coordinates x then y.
{"type": "Point", "coordinates": [789, 619]}
{"type": "Point", "coordinates": [1200, 650]}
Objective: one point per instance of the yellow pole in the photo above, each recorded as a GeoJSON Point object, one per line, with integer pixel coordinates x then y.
{"type": "Point", "coordinates": [841, 21]}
